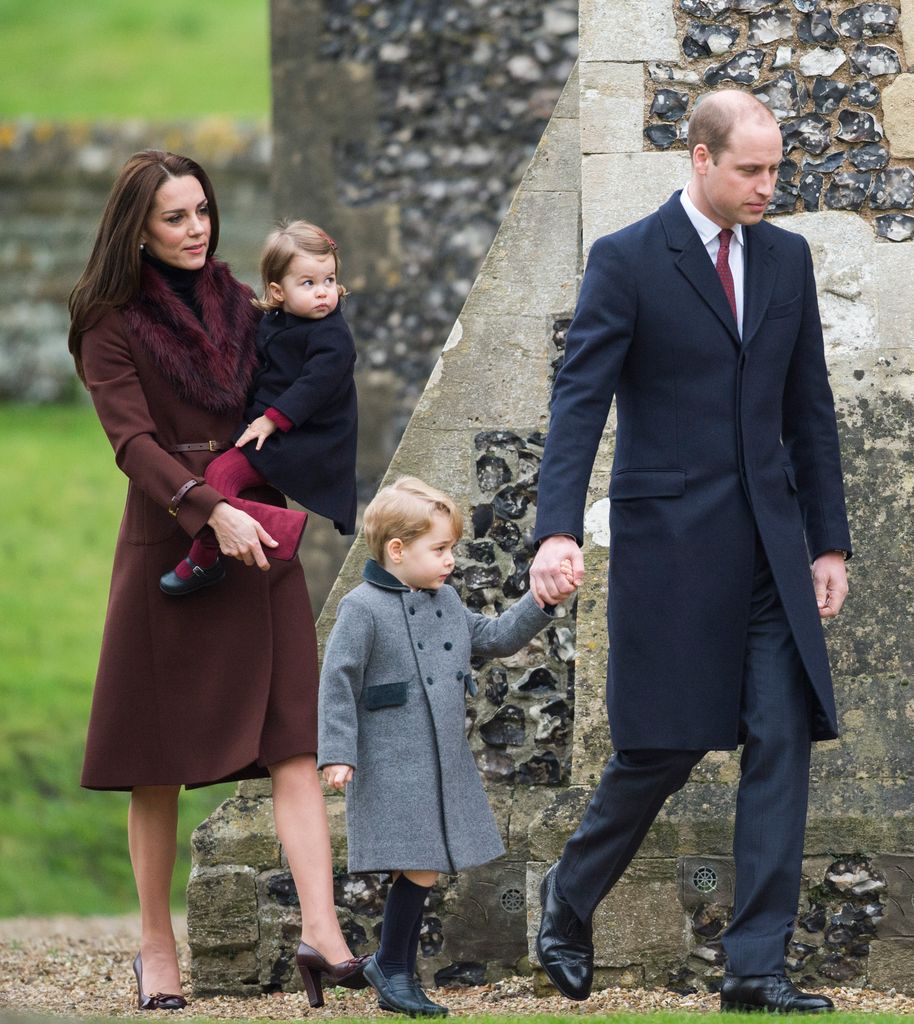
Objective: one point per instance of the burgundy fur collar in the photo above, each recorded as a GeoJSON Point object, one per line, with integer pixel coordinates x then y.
{"type": "Point", "coordinates": [210, 368]}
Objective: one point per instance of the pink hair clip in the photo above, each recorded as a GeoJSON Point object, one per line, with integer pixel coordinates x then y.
{"type": "Point", "coordinates": [328, 239]}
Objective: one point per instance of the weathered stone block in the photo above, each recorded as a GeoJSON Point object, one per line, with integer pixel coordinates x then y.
{"type": "Point", "coordinates": [483, 354]}
{"type": "Point", "coordinates": [556, 166]}
{"type": "Point", "coordinates": [529, 801]}
{"type": "Point", "coordinates": [486, 901]}
{"type": "Point", "coordinates": [627, 30]}
{"type": "Point", "coordinates": [222, 909]}
{"type": "Point", "coordinates": [612, 108]}
{"type": "Point", "coordinates": [528, 284]}
{"type": "Point", "coordinates": [906, 24]}
{"type": "Point", "coordinates": [254, 789]}
{"type": "Point", "coordinates": [279, 916]}
{"type": "Point", "coordinates": [898, 115]}
{"type": "Point", "coordinates": [619, 188]}
{"type": "Point", "coordinates": [226, 973]}
{"type": "Point", "coordinates": [239, 831]}
{"type": "Point", "coordinates": [891, 965]}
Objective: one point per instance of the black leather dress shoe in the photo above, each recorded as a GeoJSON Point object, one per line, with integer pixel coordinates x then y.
{"type": "Point", "coordinates": [770, 993]}
{"type": "Point", "coordinates": [400, 994]}
{"type": "Point", "coordinates": [172, 584]}
{"type": "Point", "coordinates": [564, 943]}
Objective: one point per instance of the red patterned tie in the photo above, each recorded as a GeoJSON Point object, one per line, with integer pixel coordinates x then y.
{"type": "Point", "coordinates": [723, 268]}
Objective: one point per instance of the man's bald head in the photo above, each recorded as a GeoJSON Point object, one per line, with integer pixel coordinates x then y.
{"type": "Point", "coordinates": [718, 113]}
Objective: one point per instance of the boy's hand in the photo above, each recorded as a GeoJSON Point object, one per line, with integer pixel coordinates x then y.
{"type": "Point", "coordinates": [337, 776]}
{"type": "Point", "coordinates": [260, 429]}
{"type": "Point", "coordinates": [567, 570]}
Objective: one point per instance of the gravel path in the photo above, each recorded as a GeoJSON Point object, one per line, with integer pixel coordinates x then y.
{"type": "Point", "coordinates": [81, 967]}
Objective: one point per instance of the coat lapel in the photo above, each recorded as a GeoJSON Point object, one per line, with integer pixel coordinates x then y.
{"type": "Point", "coordinates": [694, 264]}
{"type": "Point", "coordinates": [761, 271]}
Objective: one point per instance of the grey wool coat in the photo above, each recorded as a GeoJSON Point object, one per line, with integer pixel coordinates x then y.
{"type": "Point", "coordinates": [392, 704]}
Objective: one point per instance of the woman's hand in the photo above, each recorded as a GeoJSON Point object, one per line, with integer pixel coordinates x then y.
{"type": "Point", "coordinates": [337, 776]}
{"type": "Point", "coordinates": [261, 428]}
{"type": "Point", "coordinates": [240, 535]}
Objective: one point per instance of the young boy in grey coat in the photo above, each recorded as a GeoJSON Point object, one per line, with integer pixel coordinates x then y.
{"type": "Point", "coordinates": [392, 720]}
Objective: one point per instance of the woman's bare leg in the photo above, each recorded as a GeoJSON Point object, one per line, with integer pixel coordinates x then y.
{"type": "Point", "coordinates": [301, 824]}
{"type": "Point", "coordinates": [152, 825]}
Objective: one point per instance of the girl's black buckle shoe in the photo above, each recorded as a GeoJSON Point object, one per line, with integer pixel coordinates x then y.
{"type": "Point", "coordinates": [172, 584]}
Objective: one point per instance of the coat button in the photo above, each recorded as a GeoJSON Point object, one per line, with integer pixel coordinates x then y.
{"type": "Point", "coordinates": [438, 613]}
{"type": "Point", "coordinates": [419, 645]}
{"type": "Point", "coordinates": [412, 611]}
{"type": "Point", "coordinates": [448, 645]}
{"type": "Point", "coordinates": [429, 680]}
{"type": "Point", "coordinates": [459, 677]}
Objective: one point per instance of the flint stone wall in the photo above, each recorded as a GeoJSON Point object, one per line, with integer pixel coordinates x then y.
{"type": "Point", "coordinates": [476, 431]}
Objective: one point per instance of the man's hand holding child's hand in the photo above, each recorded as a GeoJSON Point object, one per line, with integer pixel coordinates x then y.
{"type": "Point", "coordinates": [337, 776]}
{"type": "Point", "coordinates": [557, 570]}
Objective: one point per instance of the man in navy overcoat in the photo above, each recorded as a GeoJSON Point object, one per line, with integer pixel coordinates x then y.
{"type": "Point", "coordinates": [702, 321]}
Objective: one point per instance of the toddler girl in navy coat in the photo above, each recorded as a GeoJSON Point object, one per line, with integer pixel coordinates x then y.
{"type": "Point", "coordinates": [302, 416]}
{"type": "Point", "coordinates": [392, 714]}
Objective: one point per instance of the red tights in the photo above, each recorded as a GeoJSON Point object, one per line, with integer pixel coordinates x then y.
{"type": "Point", "coordinates": [230, 473]}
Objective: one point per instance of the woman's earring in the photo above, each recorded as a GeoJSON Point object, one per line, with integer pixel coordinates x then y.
{"type": "Point", "coordinates": [142, 246]}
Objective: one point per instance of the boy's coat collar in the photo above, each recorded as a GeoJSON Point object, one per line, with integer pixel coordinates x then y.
{"type": "Point", "coordinates": [380, 577]}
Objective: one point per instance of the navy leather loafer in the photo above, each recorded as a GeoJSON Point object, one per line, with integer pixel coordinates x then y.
{"type": "Point", "coordinates": [769, 993]}
{"type": "Point", "coordinates": [400, 993]}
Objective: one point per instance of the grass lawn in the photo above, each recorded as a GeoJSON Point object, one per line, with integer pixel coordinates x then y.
{"type": "Point", "coordinates": [680, 1017]}
{"type": "Point", "coordinates": [129, 58]}
{"type": "Point", "coordinates": [62, 849]}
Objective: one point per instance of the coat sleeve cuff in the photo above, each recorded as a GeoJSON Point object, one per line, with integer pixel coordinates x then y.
{"type": "Point", "coordinates": [197, 507]}
{"type": "Point", "coordinates": [279, 418]}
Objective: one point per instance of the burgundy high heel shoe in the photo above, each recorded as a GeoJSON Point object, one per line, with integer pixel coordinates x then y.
{"type": "Point", "coordinates": [313, 964]}
{"type": "Point", "coordinates": [155, 1000]}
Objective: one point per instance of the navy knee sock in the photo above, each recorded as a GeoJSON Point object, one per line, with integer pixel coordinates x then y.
{"type": "Point", "coordinates": [400, 930]}
{"type": "Point", "coordinates": [413, 948]}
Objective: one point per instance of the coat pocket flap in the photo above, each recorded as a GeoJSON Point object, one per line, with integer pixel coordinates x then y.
{"type": "Point", "coordinates": [647, 483]}
{"type": "Point", "coordinates": [791, 476]}
{"type": "Point", "coordinates": [783, 309]}
{"type": "Point", "coordinates": [385, 695]}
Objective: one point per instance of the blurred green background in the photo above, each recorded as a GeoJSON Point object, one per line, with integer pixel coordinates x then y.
{"type": "Point", "coordinates": [63, 849]}
{"type": "Point", "coordinates": [128, 58]}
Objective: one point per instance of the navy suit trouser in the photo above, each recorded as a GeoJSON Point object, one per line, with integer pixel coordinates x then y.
{"type": "Point", "coordinates": [770, 808]}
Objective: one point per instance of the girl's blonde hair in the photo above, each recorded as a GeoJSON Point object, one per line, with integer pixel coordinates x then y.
{"type": "Point", "coordinates": [282, 246]}
{"type": "Point", "coordinates": [404, 510]}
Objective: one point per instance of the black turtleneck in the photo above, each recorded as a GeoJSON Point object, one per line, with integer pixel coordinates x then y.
{"type": "Point", "coordinates": [182, 282]}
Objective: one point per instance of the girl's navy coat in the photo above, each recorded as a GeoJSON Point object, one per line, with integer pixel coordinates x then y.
{"type": "Point", "coordinates": [305, 372]}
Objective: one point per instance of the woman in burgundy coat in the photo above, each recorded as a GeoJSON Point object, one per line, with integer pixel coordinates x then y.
{"type": "Point", "coordinates": [198, 691]}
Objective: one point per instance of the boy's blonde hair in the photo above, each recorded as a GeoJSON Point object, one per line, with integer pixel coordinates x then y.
{"type": "Point", "coordinates": [404, 510]}
{"type": "Point", "coordinates": [282, 246]}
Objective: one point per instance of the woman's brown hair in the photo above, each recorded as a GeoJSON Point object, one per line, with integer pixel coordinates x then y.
{"type": "Point", "coordinates": [112, 274]}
